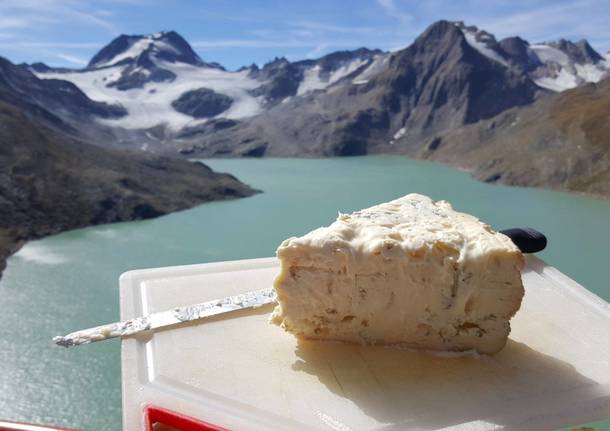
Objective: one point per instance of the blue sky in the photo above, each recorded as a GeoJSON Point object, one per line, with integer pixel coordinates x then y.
{"type": "Point", "coordinates": [239, 32]}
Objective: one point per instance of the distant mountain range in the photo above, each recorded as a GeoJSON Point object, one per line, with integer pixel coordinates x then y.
{"type": "Point", "coordinates": [450, 96]}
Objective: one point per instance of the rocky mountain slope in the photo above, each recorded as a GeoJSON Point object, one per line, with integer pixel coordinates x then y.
{"type": "Point", "coordinates": [560, 142]}
{"type": "Point", "coordinates": [58, 104]}
{"type": "Point", "coordinates": [50, 182]}
{"type": "Point", "coordinates": [438, 83]}
{"type": "Point", "coordinates": [452, 78]}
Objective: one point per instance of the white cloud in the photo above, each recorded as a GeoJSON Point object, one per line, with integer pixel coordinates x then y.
{"type": "Point", "coordinates": [317, 51]}
{"type": "Point", "coordinates": [251, 43]}
{"type": "Point", "coordinates": [28, 14]}
{"type": "Point", "coordinates": [301, 32]}
{"type": "Point", "coordinates": [21, 44]}
{"type": "Point", "coordinates": [393, 11]}
{"type": "Point", "coordinates": [72, 59]}
{"type": "Point", "coordinates": [89, 18]}
{"type": "Point", "coordinates": [315, 45]}
{"type": "Point", "coordinates": [263, 32]}
{"type": "Point", "coordinates": [539, 22]}
{"type": "Point", "coordinates": [103, 12]}
{"type": "Point", "coordinates": [331, 28]}
{"type": "Point", "coordinates": [9, 22]}
{"type": "Point", "coordinates": [37, 26]}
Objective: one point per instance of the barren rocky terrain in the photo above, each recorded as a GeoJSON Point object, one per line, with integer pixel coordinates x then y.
{"type": "Point", "coordinates": [50, 183]}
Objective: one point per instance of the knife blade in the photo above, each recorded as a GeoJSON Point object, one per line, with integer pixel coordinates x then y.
{"type": "Point", "coordinates": [174, 316]}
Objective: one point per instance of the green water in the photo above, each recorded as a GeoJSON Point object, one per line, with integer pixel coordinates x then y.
{"type": "Point", "coordinates": [69, 281]}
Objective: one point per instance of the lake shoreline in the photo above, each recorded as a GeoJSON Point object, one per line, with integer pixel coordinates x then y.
{"type": "Point", "coordinates": [458, 167]}
{"type": "Point", "coordinates": [11, 243]}
{"type": "Point", "coordinates": [8, 247]}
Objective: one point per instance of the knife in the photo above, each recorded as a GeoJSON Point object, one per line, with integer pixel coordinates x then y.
{"type": "Point", "coordinates": [174, 316]}
{"type": "Point", "coordinates": [528, 240]}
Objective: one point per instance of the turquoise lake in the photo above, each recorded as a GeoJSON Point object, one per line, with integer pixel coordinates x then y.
{"type": "Point", "coordinates": [69, 281]}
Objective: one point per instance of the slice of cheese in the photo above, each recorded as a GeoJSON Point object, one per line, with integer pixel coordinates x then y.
{"type": "Point", "coordinates": [410, 272]}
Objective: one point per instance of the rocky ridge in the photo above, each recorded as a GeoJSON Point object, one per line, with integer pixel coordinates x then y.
{"type": "Point", "coordinates": [50, 182]}
{"type": "Point", "coordinates": [560, 142]}
{"type": "Point", "coordinates": [453, 78]}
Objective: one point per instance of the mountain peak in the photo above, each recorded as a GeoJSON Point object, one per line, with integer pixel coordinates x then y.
{"type": "Point", "coordinates": [435, 33]}
{"type": "Point", "coordinates": [442, 26]}
{"type": "Point", "coordinates": [480, 35]}
{"type": "Point", "coordinates": [165, 45]}
{"type": "Point", "coordinates": [519, 53]}
{"type": "Point", "coordinates": [276, 62]}
{"type": "Point", "coordinates": [444, 36]}
{"type": "Point", "coordinates": [580, 52]}
{"type": "Point", "coordinates": [584, 46]}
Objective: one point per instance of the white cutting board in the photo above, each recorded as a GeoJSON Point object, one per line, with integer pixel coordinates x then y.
{"type": "Point", "coordinates": [243, 373]}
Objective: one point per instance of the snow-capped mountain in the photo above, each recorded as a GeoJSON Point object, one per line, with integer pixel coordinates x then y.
{"type": "Point", "coordinates": [171, 97]}
{"type": "Point", "coordinates": [567, 65]}
{"type": "Point", "coordinates": [160, 80]}
{"type": "Point", "coordinates": [168, 46]}
{"type": "Point", "coordinates": [149, 102]}
{"type": "Point", "coordinates": [400, 99]}
{"type": "Point", "coordinates": [282, 78]}
{"type": "Point", "coordinates": [557, 66]}
{"type": "Point", "coordinates": [485, 43]}
{"type": "Point", "coordinates": [58, 103]}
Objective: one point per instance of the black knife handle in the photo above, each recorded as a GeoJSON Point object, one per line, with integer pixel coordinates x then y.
{"type": "Point", "coordinates": [527, 239]}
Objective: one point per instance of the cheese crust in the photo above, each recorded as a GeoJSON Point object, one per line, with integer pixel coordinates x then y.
{"type": "Point", "coordinates": [409, 272]}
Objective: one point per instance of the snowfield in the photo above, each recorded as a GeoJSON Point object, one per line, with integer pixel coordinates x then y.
{"type": "Point", "coordinates": [547, 53]}
{"type": "Point", "coordinates": [313, 81]}
{"type": "Point", "coordinates": [471, 38]}
{"type": "Point", "coordinates": [570, 75]}
{"type": "Point", "coordinates": [150, 105]}
{"type": "Point", "coordinates": [563, 80]}
{"type": "Point", "coordinates": [400, 133]}
{"type": "Point", "coordinates": [379, 63]}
